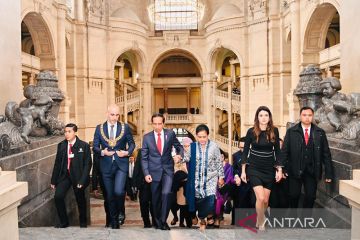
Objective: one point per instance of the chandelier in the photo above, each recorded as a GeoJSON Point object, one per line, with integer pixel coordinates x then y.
{"type": "Point", "coordinates": [176, 14]}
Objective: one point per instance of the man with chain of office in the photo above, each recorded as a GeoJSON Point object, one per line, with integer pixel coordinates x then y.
{"type": "Point", "coordinates": [114, 141]}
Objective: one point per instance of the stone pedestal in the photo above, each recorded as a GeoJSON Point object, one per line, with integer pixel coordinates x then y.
{"type": "Point", "coordinates": [34, 164]}
{"type": "Point", "coordinates": [351, 190]}
{"type": "Point", "coordinates": [11, 193]}
{"type": "Point", "coordinates": [345, 158]}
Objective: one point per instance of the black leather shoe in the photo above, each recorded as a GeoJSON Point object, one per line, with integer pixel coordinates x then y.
{"type": "Point", "coordinates": [147, 225]}
{"type": "Point", "coordinates": [83, 225]}
{"type": "Point", "coordinates": [62, 225]}
{"type": "Point", "coordinates": [115, 226]}
{"type": "Point", "coordinates": [157, 226]}
{"type": "Point", "coordinates": [165, 226]}
{"type": "Point", "coordinates": [122, 218]}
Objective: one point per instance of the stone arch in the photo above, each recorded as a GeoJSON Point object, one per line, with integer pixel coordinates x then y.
{"type": "Point", "coordinates": [316, 30]}
{"type": "Point", "coordinates": [138, 54]}
{"type": "Point", "coordinates": [42, 39]}
{"type": "Point", "coordinates": [177, 51]}
{"type": "Point", "coordinates": [214, 53]}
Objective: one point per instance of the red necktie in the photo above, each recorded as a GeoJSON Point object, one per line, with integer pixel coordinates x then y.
{"type": "Point", "coordinates": [159, 143]}
{"type": "Point", "coordinates": [69, 159]}
{"type": "Point", "coordinates": [306, 136]}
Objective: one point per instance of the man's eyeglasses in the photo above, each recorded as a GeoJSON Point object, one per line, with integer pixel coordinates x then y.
{"type": "Point", "coordinates": [113, 114]}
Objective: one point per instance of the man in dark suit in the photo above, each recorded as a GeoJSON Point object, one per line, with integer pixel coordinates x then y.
{"type": "Point", "coordinates": [158, 166]}
{"type": "Point", "coordinates": [144, 192]}
{"type": "Point", "coordinates": [96, 180]}
{"type": "Point", "coordinates": [115, 143]}
{"type": "Point", "coordinates": [305, 150]}
{"type": "Point", "coordinates": [71, 169]}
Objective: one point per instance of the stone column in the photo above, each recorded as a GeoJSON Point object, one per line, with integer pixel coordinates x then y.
{"type": "Point", "coordinates": [123, 87]}
{"type": "Point", "coordinates": [295, 57]}
{"type": "Point", "coordinates": [165, 100]}
{"type": "Point", "coordinates": [207, 108]}
{"type": "Point", "coordinates": [11, 194]}
{"type": "Point", "coordinates": [232, 69]}
{"type": "Point", "coordinates": [32, 78]}
{"type": "Point", "coordinates": [125, 103]}
{"type": "Point", "coordinates": [230, 121]}
{"type": "Point", "coordinates": [146, 103]}
{"type": "Point", "coordinates": [79, 10]}
{"type": "Point", "coordinates": [188, 91]}
{"type": "Point", "coordinates": [61, 61]}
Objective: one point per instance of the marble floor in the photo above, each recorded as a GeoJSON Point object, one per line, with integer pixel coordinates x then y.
{"type": "Point", "coordinates": [133, 230]}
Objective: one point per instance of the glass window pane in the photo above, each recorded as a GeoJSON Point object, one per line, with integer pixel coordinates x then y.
{"type": "Point", "coordinates": [176, 14]}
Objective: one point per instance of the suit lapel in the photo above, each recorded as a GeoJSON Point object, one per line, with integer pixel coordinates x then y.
{"type": "Point", "coordinates": [106, 131]}
{"type": "Point", "coordinates": [165, 139]}
{"type": "Point", "coordinates": [118, 129]}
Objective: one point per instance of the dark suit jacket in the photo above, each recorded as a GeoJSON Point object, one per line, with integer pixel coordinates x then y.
{"type": "Point", "coordinates": [80, 165]}
{"type": "Point", "coordinates": [138, 175]}
{"type": "Point", "coordinates": [153, 163]}
{"type": "Point", "coordinates": [293, 152]}
{"type": "Point", "coordinates": [126, 142]}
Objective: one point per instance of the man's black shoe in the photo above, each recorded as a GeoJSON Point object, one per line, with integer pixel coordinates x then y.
{"type": "Point", "coordinates": [83, 225]}
{"type": "Point", "coordinates": [115, 226]}
{"type": "Point", "coordinates": [147, 225]}
{"type": "Point", "coordinates": [165, 226]}
{"type": "Point", "coordinates": [62, 225]}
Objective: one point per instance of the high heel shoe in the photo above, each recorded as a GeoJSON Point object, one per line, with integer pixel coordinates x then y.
{"type": "Point", "coordinates": [261, 227]}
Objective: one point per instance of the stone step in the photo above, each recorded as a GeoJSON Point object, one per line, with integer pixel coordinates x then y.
{"type": "Point", "coordinates": [7, 178]}
{"type": "Point", "coordinates": [356, 175]}
{"type": "Point", "coordinates": [350, 189]}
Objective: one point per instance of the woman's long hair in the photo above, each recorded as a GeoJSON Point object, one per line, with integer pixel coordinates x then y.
{"type": "Point", "coordinates": [270, 134]}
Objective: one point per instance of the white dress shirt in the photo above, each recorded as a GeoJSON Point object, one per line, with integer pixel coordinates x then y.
{"type": "Point", "coordinates": [114, 129]}
{"type": "Point", "coordinates": [131, 169]}
{"type": "Point", "coordinates": [72, 144]}
{"type": "Point", "coordinates": [162, 136]}
{"type": "Point", "coordinates": [309, 129]}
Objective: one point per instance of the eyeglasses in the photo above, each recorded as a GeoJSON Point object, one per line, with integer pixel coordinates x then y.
{"type": "Point", "coordinates": [113, 114]}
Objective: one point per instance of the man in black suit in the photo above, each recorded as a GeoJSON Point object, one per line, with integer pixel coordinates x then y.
{"type": "Point", "coordinates": [305, 150]}
{"type": "Point", "coordinates": [71, 169]}
{"type": "Point", "coordinates": [158, 166]}
{"type": "Point", "coordinates": [144, 192]}
{"type": "Point", "coordinates": [98, 181]}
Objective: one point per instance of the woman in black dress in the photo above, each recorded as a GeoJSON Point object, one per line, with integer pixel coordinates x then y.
{"type": "Point", "coordinates": [261, 155]}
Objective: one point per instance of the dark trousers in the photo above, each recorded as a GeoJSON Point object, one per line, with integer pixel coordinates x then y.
{"type": "Point", "coordinates": [60, 194]}
{"type": "Point", "coordinates": [106, 202]}
{"type": "Point", "coordinates": [310, 186]}
{"type": "Point", "coordinates": [114, 182]}
{"type": "Point", "coordinates": [145, 203]}
{"type": "Point", "coordinates": [279, 196]}
{"type": "Point", "coordinates": [129, 188]}
{"type": "Point", "coordinates": [160, 197]}
{"type": "Point", "coordinates": [244, 197]}
{"type": "Point", "coordinates": [174, 206]}
{"type": "Point", "coordinates": [205, 206]}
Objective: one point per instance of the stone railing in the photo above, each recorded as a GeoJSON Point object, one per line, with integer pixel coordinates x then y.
{"type": "Point", "coordinates": [223, 143]}
{"type": "Point", "coordinates": [133, 101]}
{"type": "Point", "coordinates": [30, 63]}
{"type": "Point", "coordinates": [184, 118]}
{"type": "Point", "coordinates": [222, 101]}
{"type": "Point", "coordinates": [223, 94]}
{"type": "Point", "coordinates": [329, 56]}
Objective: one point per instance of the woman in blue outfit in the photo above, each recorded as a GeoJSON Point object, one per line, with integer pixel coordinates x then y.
{"type": "Point", "coordinates": [205, 173]}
